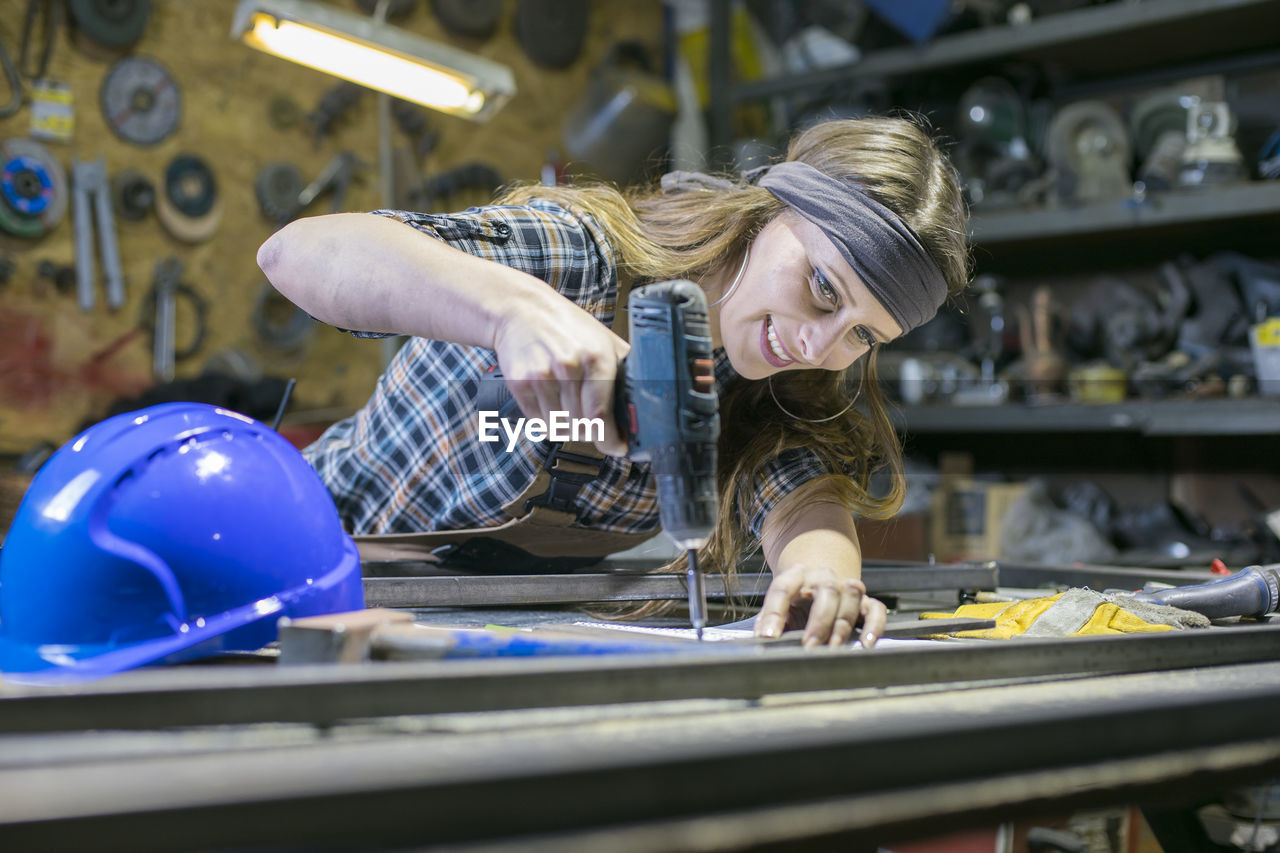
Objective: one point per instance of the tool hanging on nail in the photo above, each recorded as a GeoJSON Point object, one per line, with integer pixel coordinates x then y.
{"type": "Point", "coordinates": [16, 92]}
{"type": "Point", "coordinates": [113, 25]}
{"type": "Point", "coordinates": [33, 188]}
{"type": "Point", "coordinates": [188, 205]}
{"type": "Point", "coordinates": [159, 315]}
{"type": "Point", "coordinates": [336, 176]}
{"type": "Point", "coordinates": [91, 202]}
{"type": "Point", "coordinates": [52, 11]}
{"type": "Point", "coordinates": [141, 101]}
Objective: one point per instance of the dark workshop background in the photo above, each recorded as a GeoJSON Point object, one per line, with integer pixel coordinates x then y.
{"type": "Point", "coordinates": [1096, 386]}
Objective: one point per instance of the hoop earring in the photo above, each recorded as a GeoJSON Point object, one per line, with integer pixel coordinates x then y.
{"type": "Point", "coordinates": [838, 414]}
{"type": "Point", "coordinates": [746, 256]}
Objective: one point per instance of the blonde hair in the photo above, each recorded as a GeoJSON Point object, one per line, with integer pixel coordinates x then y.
{"type": "Point", "coordinates": [694, 231]}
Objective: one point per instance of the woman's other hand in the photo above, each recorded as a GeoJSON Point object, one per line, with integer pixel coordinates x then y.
{"type": "Point", "coordinates": [828, 606]}
{"type": "Point", "coordinates": [811, 543]}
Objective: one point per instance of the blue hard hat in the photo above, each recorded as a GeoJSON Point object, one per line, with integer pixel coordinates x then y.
{"type": "Point", "coordinates": [171, 533]}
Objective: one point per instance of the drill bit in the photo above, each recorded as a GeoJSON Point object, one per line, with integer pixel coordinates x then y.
{"type": "Point", "coordinates": [697, 594]}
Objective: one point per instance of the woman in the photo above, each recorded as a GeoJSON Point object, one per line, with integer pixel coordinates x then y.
{"type": "Point", "coordinates": [808, 265]}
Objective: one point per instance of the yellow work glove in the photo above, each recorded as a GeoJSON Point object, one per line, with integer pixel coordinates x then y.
{"type": "Point", "coordinates": [1074, 613]}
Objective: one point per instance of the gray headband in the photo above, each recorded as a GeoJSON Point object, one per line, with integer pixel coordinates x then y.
{"type": "Point", "coordinates": [881, 248]}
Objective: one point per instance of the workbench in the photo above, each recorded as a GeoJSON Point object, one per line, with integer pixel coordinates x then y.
{"type": "Point", "coordinates": [719, 750]}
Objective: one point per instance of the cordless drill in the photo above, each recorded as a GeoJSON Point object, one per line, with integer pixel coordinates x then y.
{"type": "Point", "coordinates": [666, 408]}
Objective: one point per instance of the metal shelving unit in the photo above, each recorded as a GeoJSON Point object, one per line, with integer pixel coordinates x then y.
{"type": "Point", "coordinates": [1260, 199]}
{"type": "Point", "coordinates": [1103, 40]}
{"type": "Point", "coordinates": [1169, 418]}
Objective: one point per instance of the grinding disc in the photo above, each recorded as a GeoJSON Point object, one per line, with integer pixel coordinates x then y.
{"type": "Point", "coordinates": [188, 205]}
{"type": "Point", "coordinates": [471, 18]}
{"type": "Point", "coordinates": [33, 185]}
{"type": "Point", "coordinates": [284, 112]}
{"type": "Point", "coordinates": [141, 101]}
{"type": "Point", "coordinates": [279, 323]}
{"type": "Point", "coordinates": [14, 223]}
{"type": "Point", "coordinates": [551, 31]}
{"type": "Point", "coordinates": [189, 185]}
{"type": "Point", "coordinates": [185, 228]}
{"type": "Point", "coordinates": [132, 195]}
{"type": "Point", "coordinates": [116, 24]}
{"type": "Point", "coordinates": [26, 185]}
{"type": "Point", "coordinates": [278, 187]}
{"type": "Point", "coordinates": [395, 9]}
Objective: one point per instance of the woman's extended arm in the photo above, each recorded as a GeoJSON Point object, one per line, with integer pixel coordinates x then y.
{"type": "Point", "coordinates": [811, 544]}
{"type": "Point", "coordinates": [377, 274]}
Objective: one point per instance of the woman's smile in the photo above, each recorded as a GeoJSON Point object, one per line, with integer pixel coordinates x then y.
{"type": "Point", "coordinates": [775, 352]}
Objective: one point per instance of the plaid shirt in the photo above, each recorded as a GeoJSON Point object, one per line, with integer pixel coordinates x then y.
{"type": "Point", "coordinates": [411, 459]}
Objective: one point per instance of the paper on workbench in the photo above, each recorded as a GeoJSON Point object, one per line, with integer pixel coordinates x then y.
{"type": "Point", "coordinates": [733, 631]}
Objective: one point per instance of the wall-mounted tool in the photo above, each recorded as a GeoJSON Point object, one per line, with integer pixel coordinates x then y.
{"type": "Point", "coordinates": [188, 205]}
{"type": "Point", "coordinates": [475, 19]}
{"type": "Point", "coordinates": [336, 177]}
{"type": "Point", "coordinates": [132, 194]}
{"type": "Point", "coordinates": [280, 325]}
{"type": "Point", "coordinates": [624, 116]}
{"type": "Point", "coordinates": [91, 202]}
{"type": "Point", "coordinates": [277, 188]}
{"type": "Point", "coordinates": [141, 101]}
{"type": "Point", "coordinates": [33, 188]}
{"type": "Point", "coordinates": [62, 276]}
{"type": "Point", "coordinates": [283, 112]}
{"type": "Point", "coordinates": [48, 12]}
{"type": "Point", "coordinates": [113, 24]}
{"type": "Point", "coordinates": [395, 9]}
{"type": "Point", "coordinates": [469, 177]}
{"type": "Point", "coordinates": [334, 105]}
{"type": "Point", "coordinates": [551, 32]}
{"type": "Point", "coordinates": [13, 81]}
{"type": "Point", "coordinates": [160, 315]}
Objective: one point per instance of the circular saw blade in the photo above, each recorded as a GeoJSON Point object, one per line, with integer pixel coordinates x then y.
{"type": "Point", "coordinates": [141, 101]}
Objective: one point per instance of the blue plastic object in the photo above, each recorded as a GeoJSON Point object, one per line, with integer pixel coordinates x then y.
{"type": "Point", "coordinates": [918, 20]}
{"type": "Point", "coordinates": [171, 533]}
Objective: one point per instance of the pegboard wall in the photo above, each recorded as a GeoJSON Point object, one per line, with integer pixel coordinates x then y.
{"type": "Point", "coordinates": [62, 367]}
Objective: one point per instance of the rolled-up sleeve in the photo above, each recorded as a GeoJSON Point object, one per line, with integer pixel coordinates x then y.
{"type": "Point", "coordinates": [564, 248]}
{"type": "Point", "coordinates": [776, 479]}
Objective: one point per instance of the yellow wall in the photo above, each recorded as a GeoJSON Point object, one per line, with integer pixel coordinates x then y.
{"type": "Point", "coordinates": [49, 381]}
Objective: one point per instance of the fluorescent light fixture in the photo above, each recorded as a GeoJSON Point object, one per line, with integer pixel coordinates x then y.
{"type": "Point", "coordinates": [375, 55]}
